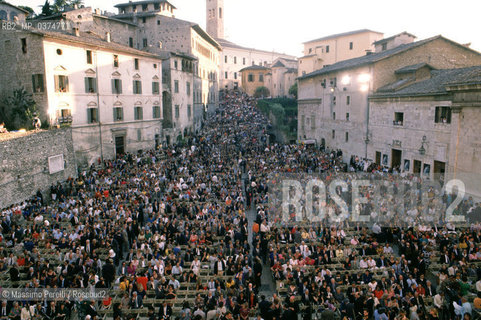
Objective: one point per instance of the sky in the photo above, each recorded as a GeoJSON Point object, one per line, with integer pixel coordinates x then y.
{"type": "Point", "coordinates": [283, 25]}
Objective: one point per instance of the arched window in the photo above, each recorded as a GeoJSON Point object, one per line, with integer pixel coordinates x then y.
{"type": "Point", "coordinates": [3, 15]}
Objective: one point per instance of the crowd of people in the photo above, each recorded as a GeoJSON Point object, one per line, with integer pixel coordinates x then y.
{"type": "Point", "coordinates": [168, 232]}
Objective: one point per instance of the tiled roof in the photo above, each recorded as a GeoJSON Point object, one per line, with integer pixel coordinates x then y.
{"type": "Point", "coordinates": [471, 76]}
{"type": "Point", "coordinates": [278, 64]}
{"type": "Point", "coordinates": [60, 15]}
{"type": "Point", "coordinates": [337, 35]}
{"type": "Point", "coordinates": [412, 68]}
{"type": "Point", "coordinates": [396, 85]}
{"type": "Point", "coordinates": [436, 85]}
{"type": "Point", "coordinates": [126, 4]}
{"type": "Point", "coordinates": [375, 57]}
{"type": "Point", "coordinates": [88, 38]}
{"type": "Point", "coordinates": [114, 19]}
{"type": "Point", "coordinates": [167, 54]}
{"type": "Point", "coordinates": [130, 15]}
{"type": "Point", "coordinates": [228, 44]}
{"type": "Point", "coordinates": [254, 67]}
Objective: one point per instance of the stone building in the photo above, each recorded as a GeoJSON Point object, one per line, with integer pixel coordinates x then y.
{"type": "Point", "coordinates": [319, 53]}
{"type": "Point", "coordinates": [235, 57]}
{"type": "Point", "coordinates": [393, 41]}
{"type": "Point", "coordinates": [9, 12]}
{"type": "Point", "coordinates": [33, 161]}
{"type": "Point", "coordinates": [98, 24]}
{"type": "Point", "coordinates": [333, 101]}
{"type": "Point", "coordinates": [179, 83]}
{"type": "Point", "coordinates": [143, 9]}
{"type": "Point", "coordinates": [282, 77]}
{"type": "Point", "coordinates": [158, 31]}
{"type": "Point", "coordinates": [108, 93]}
{"type": "Point", "coordinates": [136, 25]}
{"type": "Point", "coordinates": [215, 18]}
{"type": "Point", "coordinates": [278, 78]}
{"type": "Point", "coordinates": [254, 77]}
{"type": "Point", "coordinates": [427, 122]}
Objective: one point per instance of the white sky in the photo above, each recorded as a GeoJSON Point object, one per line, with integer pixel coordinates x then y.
{"type": "Point", "coordinates": [282, 25]}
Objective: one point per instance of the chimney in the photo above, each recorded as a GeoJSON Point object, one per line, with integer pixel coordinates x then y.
{"type": "Point", "coordinates": [97, 11]}
{"type": "Point", "coordinates": [76, 32]}
{"type": "Point", "coordinates": [107, 36]}
{"type": "Point", "coordinates": [75, 6]}
{"type": "Point", "coordinates": [368, 52]}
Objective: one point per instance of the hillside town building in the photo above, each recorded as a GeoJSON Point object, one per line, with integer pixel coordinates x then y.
{"type": "Point", "coordinates": [278, 78]}
{"type": "Point", "coordinates": [319, 53]}
{"type": "Point", "coordinates": [108, 93]}
{"type": "Point", "coordinates": [340, 105]}
{"type": "Point", "coordinates": [427, 122]}
{"type": "Point", "coordinates": [235, 57]}
{"type": "Point", "coordinates": [9, 12]}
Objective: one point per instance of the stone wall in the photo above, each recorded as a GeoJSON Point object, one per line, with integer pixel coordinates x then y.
{"type": "Point", "coordinates": [349, 135]}
{"type": "Point", "coordinates": [24, 164]}
{"type": "Point", "coordinates": [418, 122]}
{"type": "Point", "coordinates": [439, 53]}
{"type": "Point", "coordinates": [11, 13]}
{"type": "Point", "coordinates": [19, 64]}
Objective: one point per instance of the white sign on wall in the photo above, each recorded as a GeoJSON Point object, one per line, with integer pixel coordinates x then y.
{"type": "Point", "coordinates": [56, 164]}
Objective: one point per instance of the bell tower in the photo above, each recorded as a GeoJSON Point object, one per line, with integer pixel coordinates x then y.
{"type": "Point", "coordinates": [215, 18]}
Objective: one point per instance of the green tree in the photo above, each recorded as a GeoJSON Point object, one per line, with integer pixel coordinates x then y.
{"type": "Point", "coordinates": [59, 6]}
{"type": "Point", "coordinates": [278, 112]}
{"type": "Point", "coordinates": [77, 3]}
{"type": "Point", "coordinates": [18, 110]}
{"type": "Point", "coordinates": [46, 9]}
{"type": "Point", "coordinates": [261, 92]}
{"type": "Point", "coordinates": [293, 90]}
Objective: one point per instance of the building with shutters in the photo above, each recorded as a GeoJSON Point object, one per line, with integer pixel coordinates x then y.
{"type": "Point", "coordinates": [109, 94]}
{"type": "Point", "coordinates": [321, 52]}
{"type": "Point", "coordinates": [334, 108]}
{"type": "Point", "coordinates": [278, 78]}
{"type": "Point", "coordinates": [159, 31]}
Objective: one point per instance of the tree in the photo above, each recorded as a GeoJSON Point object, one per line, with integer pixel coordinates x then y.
{"type": "Point", "coordinates": [293, 90]}
{"type": "Point", "coordinates": [46, 9]}
{"type": "Point", "coordinates": [78, 3]}
{"type": "Point", "coordinates": [261, 92]}
{"type": "Point", "coordinates": [59, 5]}
{"type": "Point", "coordinates": [18, 110]}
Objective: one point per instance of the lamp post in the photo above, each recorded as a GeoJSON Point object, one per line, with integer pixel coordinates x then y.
{"type": "Point", "coordinates": [365, 79]}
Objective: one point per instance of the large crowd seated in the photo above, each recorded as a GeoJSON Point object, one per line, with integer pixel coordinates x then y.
{"type": "Point", "coordinates": [168, 232]}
